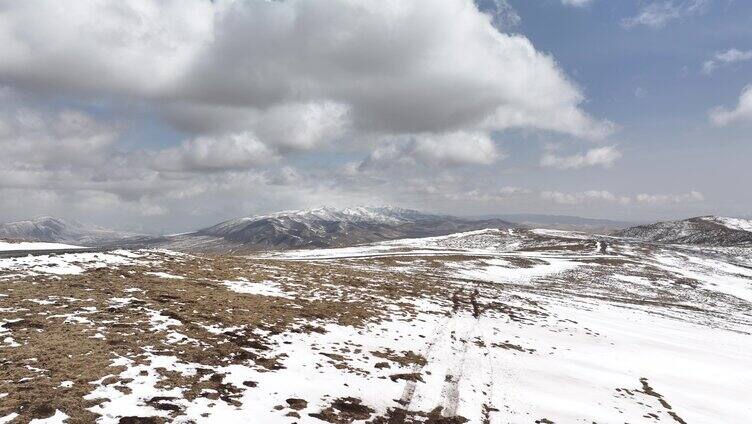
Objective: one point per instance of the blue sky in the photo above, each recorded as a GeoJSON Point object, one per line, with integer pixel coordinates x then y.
{"type": "Point", "coordinates": [166, 116]}
{"type": "Point", "coordinates": [650, 81]}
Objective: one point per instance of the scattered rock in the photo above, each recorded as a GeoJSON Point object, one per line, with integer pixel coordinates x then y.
{"type": "Point", "coordinates": [409, 376]}
{"type": "Point", "coordinates": [140, 420]}
{"type": "Point", "coordinates": [297, 404]}
{"type": "Point", "coordinates": [344, 410]}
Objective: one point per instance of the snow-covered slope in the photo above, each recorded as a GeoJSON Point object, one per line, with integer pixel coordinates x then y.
{"type": "Point", "coordinates": [384, 214]}
{"type": "Point", "coordinates": [732, 223]}
{"type": "Point", "coordinates": [31, 246]}
{"type": "Point", "coordinates": [493, 326]}
{"type": "Point", "coordinates": [703, 230]}
{"type": "Point", "coordinates": [325, 227]}
{"type": "Point", "coordinates": [55, 230]}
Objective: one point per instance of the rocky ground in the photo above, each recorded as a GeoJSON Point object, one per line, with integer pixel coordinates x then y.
{"type": "Point", "coordinates": [491, 326]}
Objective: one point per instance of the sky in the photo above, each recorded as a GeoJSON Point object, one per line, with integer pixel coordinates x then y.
{"type": "Point", "coordinates": [166, 116]}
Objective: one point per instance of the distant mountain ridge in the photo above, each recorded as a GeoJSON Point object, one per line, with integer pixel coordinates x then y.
{"type": "Point", "coordinates": [326, 227]}
{"type": "Point", "coordinates": [295, 229]}
{"type": "Point", "coordinates": [331, 227]}
{"type": "Point", "coordinates": [564, 222]}
{"type": "Point", "coordinates": [56, 230]}
{"type": "Point", "coordinates": [701, 230]}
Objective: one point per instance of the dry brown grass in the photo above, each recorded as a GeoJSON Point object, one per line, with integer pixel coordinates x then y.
{"type": "Point", "coordinates": [66, 351]}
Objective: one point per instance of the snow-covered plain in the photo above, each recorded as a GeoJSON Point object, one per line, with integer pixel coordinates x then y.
{"type": "Point", "coordinates": [492, 326]}
{"type": "Point", "coordinates": [261, 288]}
{"type": "Point", "coordinates": [69, 263]}
{"type": "Point", "coordinates": [25, 245]}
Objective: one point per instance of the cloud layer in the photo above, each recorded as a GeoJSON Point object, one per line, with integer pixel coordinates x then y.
{"type": "Point", "coordinates": [253, 91]}
{"type": "Point", "coordinates": [440, 69]}
{"type": "Point", "coordinates": [156, 108]}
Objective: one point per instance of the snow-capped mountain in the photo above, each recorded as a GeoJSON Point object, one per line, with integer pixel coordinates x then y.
{"type": "Point", "coordinates": [55, 230]}
{"type": "Point", "coordinates": [382, 215]}
{"type": "Point", "coordinates": [326, 227]}
{"type": "Point", "coordinates": [331, 227]}
{"type": "Point", "coordinates": [702, 230]}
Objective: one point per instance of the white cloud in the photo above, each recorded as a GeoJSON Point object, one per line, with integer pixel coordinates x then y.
{"type": "Point", "coordinates": [289, 126]}
{"type": "Point", "coordinates": [658, 13]}
{"type": "Point", "coordinates": [600, 156]}
{"type": "Point", "coordinates": [135, 47]}
{"type": "Point", "coordinates": [417, 87]}
{"type": "Point", "coordinates": [576, 3]}
{"type": "Point", "coordinates": [584, 197]}
{"type": "Point", "coordinates": [742, 113]}
{"type": "Point", "coordinates": [490, 195]}
{"type": "Point", "coordinates": [65, 138]}
{"type": "Point", "coordinates": [452, 149]}
{"type": "Point", "coordinates": [286, 176]}
{"type": "Point", "coordinates": [726, 58]}
{"type": "Point", "coordinates": [147, 208]}
{"type": "Point", "coordinates": [659, 199]}
{"type": "Point", "coordinates": [456, 149]}
{"type": "Point", "coordinates": [441, 69]}
{"type": "Point", "coordinates": [604, 196]}
{"type": "Point", "coordinates": [233, 151]}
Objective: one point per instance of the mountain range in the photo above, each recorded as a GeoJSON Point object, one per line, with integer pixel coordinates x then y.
{"type": "Point", "coordinates": [309, 228]}
{"type": "Point", "coordinates": [55, 230]}
{"type": "Point", "coordinates": [329, 227]}
{"type": "Point", "coordinates": [325, 227]}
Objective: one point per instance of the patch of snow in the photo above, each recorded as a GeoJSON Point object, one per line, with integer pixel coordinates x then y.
{"type": "Point", "coordinates": [217, 329]}
{"type": "Point", "coordinates": [10, 342]}
{"type": "Point", "coordinates": [263, 288]}
{"type": "Point", "coordinates": [65, 263]}
{"type": "Point", "coordinates": [166, 275]}
{"type": "Point", "coordinates": [8, 418]}
{"type": "Point", "coordinates": [42, 301]}
{"type": "Point", "coordinates": [144, 378]}
{"type": "Point", "coordinates": [561, 233]}
{"type": "Point", "coordinates": [119, 302]}
{"type": "Point", "coordinates": [25, 245]}
{"type": "Point", "coordinates": [502, 271]}
{"type": "Point", "coordinates": [128, 254]}
{"type": "Point", "coordinates": [161, 322]}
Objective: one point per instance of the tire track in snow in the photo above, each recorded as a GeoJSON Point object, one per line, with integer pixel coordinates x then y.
{"type": "Point", "coordinates": [408, 393]}
{"type": "Point", "coordinates": [471, 365]}
{"type": "Point", "coordinates": [440, 330]}
{"type": "Point", "coordinates": [488, 382]}
{"type": "Point", "coordinates": [460, 346]}
{"type": "Point", "coordinates": [450, 391]}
